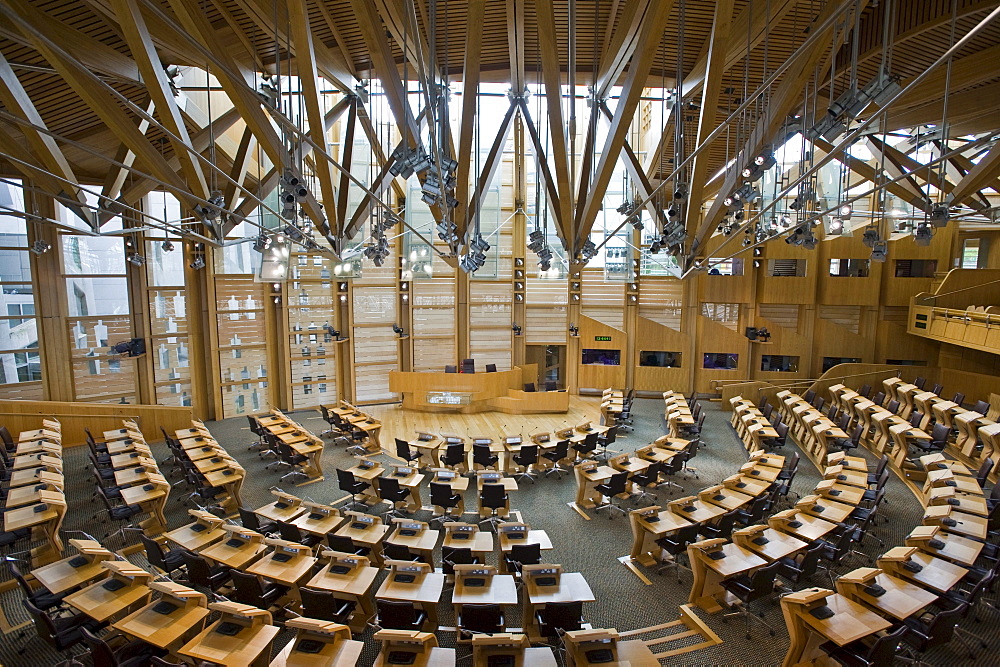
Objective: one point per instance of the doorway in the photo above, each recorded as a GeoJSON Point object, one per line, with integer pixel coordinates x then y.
{"type": "Point", "coordinates": [551, 362]}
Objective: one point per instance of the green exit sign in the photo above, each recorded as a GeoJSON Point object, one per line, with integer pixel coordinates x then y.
{"type": "Point", "coordinates": [602, 339]}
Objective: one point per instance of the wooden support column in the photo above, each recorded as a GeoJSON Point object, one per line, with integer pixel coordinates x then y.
{"type": "Point", "coordinates": [203, 333]}
{"type": "Point", "coordinates": [51, 306]}
{"type": "Point", "coordinates": [138, 306]}
{"type": "Point", "coordinates": [518, 311]}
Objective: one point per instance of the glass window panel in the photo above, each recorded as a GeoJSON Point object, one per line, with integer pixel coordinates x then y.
{"type": "Point", "coordinates": [97, 296]}
{"type": "Point", "coordinates": [93, 255]}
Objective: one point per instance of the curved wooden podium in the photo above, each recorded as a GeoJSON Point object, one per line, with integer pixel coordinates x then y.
{"type": "Point", "coordinates": [502, 391]}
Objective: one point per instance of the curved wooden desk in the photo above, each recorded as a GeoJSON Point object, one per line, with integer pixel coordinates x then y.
{"type": "Point", "coordinates": [502, 391]}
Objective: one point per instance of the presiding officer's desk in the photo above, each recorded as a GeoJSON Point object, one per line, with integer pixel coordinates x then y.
{"type": "Point", "coordinates": [501, 391]}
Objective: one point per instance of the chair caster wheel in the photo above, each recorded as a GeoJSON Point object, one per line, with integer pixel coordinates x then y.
{"type": "Point", "coordinates": [749, 636]}
{"type": "Point", "coordinates": [772, 633]}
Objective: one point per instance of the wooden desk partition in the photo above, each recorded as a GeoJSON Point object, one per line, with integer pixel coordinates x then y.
{"type": "Point", "coordinates": [502, 391]}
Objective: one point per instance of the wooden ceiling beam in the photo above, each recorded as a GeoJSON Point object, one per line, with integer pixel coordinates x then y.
{"type": "Point", "coordinates": [490, 166]}
{"type": "Point", "coordinates": [515, 44]}
{"type": "Point", "coordinates": [346, 160]}
{"type": "Point", "coordinates": [140, 43]}
{"type": "Point", "coordinates": [621, 46]}
{"type": "Point", "coordinates": [467, 124]}
{"type": "Point", "coordinates": [650, 35]}
{"type": "Point", "coordinates": [972, 70]}
{"type": "Point", "coordinates": [241, 165]}
{"type": "Point", "coordinates": [331, 65]}
{"type": "Point", "coordinates": [874, 175]}
{"type": "Point", "coordinates": [543, 172]}
{"type": "Point", "coordinates": [101, 101]}
{"type": "Point", "coordinates": [552, 78]}
{"type": "Point", "coordinates": [28, 165]}
{"type": "Point", "coordinates": [787, 97]}
{"type": "Point", "coordinates": [897, 165]}
{"type": "Point", "coordinates": [982, 175]}
{"type": "Point", "coordinates": [305, 58]}
{"type": "Point", "coordinates": [380, 52]}
{"type": "Point", "coordinates": [115, 179]}
{"type": "Point", "coordinates": [324, 11]}
{"type": "Point", "coordinates": [44, 146]}
{"type": "Point", "coordinates": [638, 176]}
{"type": "Point", "coordinates": [707, 118]}
{"type": "Point", "coordinates": [753, 20]}
{"type": "Point", "coordinates": [963, 165]}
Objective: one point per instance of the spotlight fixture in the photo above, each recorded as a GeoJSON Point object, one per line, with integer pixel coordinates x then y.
{"type": "Point", "coordinates": [871, 237]}
{"type": "Point", "coordinates": [198, 263]}
{"type": "Point", "coordinates": [680, 191]}
{"type": "Point", "coordinates": [880, 251]}
{"type": "Point", "coordinates": [588, 251]}
{"type": "Point", "coordinates": [167, 246]}
{"type": "Point", "coordinates": [574, 330]}
{"type": "Point", "coordinates": [516, 328]}
{"type": "Point", "coordinates": [135, 259]}
{"type": "Point", "coordinates": [398, 330]}
{"type": "Point", "coordinates": [40, 247]}
{"type": "Point", "coordinates": [845, 211]}
{"type": "Point", "coordinates": [939, 215]}
{"type": "Point", "coordinates": [334, 334]}
{"type": "Point", "coordinates": [262, 242]}
{"type": "Point", "coordinates": [836, 226]}
{"type": "Point", "coordinates": [923, 234]}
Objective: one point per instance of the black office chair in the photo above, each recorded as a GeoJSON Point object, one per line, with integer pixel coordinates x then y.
{"type": "Point", "coordinates": [749, 588]}
{"type": "Point", "coordinates": [614, 487]}
{"type": "Point", "coordinates": [878, 398]}
{"type": "Point", "coordinates": [325, 605]}
{"type": "Point", "coordinates": [924, 635]}
{"type": "Point", "coordinates": [442, 496]}
{"type": "Point", "coordinates": [919, 382]}
{"type": "Point", "coordinates": [558, 453]}
{"type": "Point", "coordinates": [860, 653]}
{"type": "Point", "coordinates": [893, 406]}
{"type": "Point", "coordinates": [491, 368]}
{"type": "Point", "coordinates": [292, 533]}
{"type": "Point", "coordinates": [644, 479]}
{"type": "Point", "coordinates": [958, 398]}
{"type": "Point", "coordinates": [778, 441]}
{"type": "Point", "coordinates": [809, 396]}
{"type": "Point", "coordinates": [675, 544]}
{"type": "Point", "coordinates": [404, 452]}
{"type": "Point", "coordinates": [165, 561]}
{"type": "Point", "coordinates": [346, 545]}
{"type": "Point", "coordinates": [937, 389]}
{"type": "Point", "coordinates": [527, 457]}
{"type": "Point", "coordinates": [39, 595]}
{"type": "Point", "coordinates": [557, 618]}
{"type": "Point", "coordinates": [255, 428]}
{"type": "Point", "coordinates": [201, 573]}
{"type": "Point", "coordinates": [347, 482]}
{"type": "Point", "coordinates": [939, 440]}
{"type": "Point", "coordinates": [289, 457]}
{"type": "Point", "coordinates": [670, 468]}
{"type": "Point", "coordinates": [494, 498]}
{"type": "Point", "coordinates": [11, 446]}
{"type": "Point", "coordinates": [482, 456]}
{"type": "Point", "coordinates": [550, 385]}
{"type": "Point", "coordinates": [479, 619]}
{"type": "Point", "coordinates": [390, 491]}
{"type": "Point", "coordinates": [866, 390]}
{"type": "Point", "coordinates": [454, 456]}
{"type": "Point", "coordinates": [605, 440]}
{"type": "Point", "coordinates": [529, 386]}
{"type": "Point", "coordinates": [450, 369]}
{"type": "Point", "coordinates": [723, 527]}
{"type": "Point", "coordinates": [452, 556]}
{"type": "Point", "coordinates": [59, 632]}
{"type": "Point", "coordinates": [799, 571]}
{"type": "Point", "coordinates": [392, 615]}
{"type": "Point", "coordinates": [521, 555]}
{"type": "Point", "coordinates": [252, 520]}
{"type": "Point", "coordinates": [468, 365]}
{"type": "Point", "coordinates": [755, 514]}
{"type": "Point", "coordinates": [982, 407]}
{"type": "Point", "coordinates": [123, 653]}
{"type": "Point", "coordinates": [392, 551]}
{"type": "Point", "coordinates": [250, 589]}
{"type": "Point", "coordinates": [585, 448]}
{"type": "Point", "coordinates": [983, 473]}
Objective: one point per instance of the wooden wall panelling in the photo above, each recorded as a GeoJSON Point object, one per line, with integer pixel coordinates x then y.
{"type": "Point", "coordinates": [598, 376]}
{"type": "Point", "coordinates": [787, 289]}
{"type": "Point", "coordinates": [897, 291]}
{"type": "Point", "coordinates": [784, 341]}
{"type": "Point", "coordinates": [650, 335]}
{"type": "Point", "coordinates": [98, 417]}
{"type": "Point", "coordinates": [725, 289]}
{"type": "Point", "coordinates": [713, 337]}
{"type": "Point", "coordinates": [846, 290]}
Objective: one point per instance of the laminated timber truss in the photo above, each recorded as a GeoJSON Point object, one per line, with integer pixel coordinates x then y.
{"type": "Point", "coordinates": [88, 100]}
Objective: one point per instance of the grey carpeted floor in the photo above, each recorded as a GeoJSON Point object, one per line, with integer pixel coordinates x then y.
{"type": "Point", "coordinates": [591, 547]}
